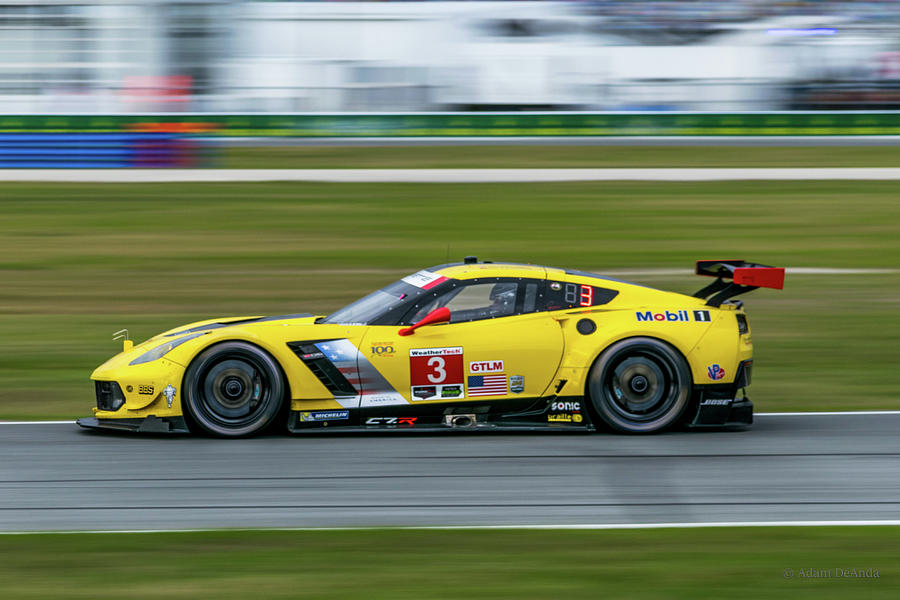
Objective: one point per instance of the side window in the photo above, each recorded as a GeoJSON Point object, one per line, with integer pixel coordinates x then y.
{"type": "Point", "coordinates": [484, 301]}
{"type": "Point", "coordinates": [477, 301]}
{"type": "Point", "coordinates": [531, 293]}
{"type": "Point", "coordinates": [474, 300]}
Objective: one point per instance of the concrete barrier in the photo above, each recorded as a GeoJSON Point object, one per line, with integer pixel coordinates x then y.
{"type": "Point", "coordinates": [35, 149]}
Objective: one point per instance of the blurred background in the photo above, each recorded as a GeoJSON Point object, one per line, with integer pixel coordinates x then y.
{"type": "Point", "coordinates": [521, 85]}
{"type": "Point", "coordinates": [249, 56]}
{"type": "Point", "coordinates": [285, 84]}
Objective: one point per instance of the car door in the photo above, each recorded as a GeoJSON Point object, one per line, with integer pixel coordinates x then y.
{"type": "Point", "coordinates": [495, 347]}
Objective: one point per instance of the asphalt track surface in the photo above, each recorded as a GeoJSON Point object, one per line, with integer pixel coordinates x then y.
{"type": "Point", "coordinates": [793, 467]}
{"type": "Point", "coordinates": [445, 175]}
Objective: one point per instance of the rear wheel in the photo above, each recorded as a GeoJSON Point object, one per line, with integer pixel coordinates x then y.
{"type": "Point", "coordinates": [640, 385]}
{"type": "Point", "coordinates": [233, 389]}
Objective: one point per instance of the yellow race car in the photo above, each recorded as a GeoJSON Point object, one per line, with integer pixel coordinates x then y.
{"type": "Point", "coordinates": [472, 346]}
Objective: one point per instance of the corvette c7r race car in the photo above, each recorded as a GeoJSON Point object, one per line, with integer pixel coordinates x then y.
{"type": "Point", "coordinates": [472, 345]}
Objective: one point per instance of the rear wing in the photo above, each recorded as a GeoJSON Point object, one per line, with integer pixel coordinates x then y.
{"type": "Point", "coordinates": [735, 277]}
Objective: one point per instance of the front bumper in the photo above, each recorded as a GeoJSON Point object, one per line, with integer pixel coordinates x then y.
{"type": "Point", "coordinates": [149, 424]}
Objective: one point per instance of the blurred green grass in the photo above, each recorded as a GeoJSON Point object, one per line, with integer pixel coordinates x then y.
{"type": "Point", "coordinates": [79, 261]}
{"type": "Point", "coordinates": [524, 156]}
{"type": "Point", "coordinates": [739, 563]}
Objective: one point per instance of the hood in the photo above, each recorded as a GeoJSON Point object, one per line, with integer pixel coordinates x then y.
{"type": "Point", "coordinates": [230, 322]}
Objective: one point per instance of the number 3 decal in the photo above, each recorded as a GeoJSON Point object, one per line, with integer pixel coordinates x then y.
{"type": "Point", "coordinates": [436, 366]}
{"type": "Point", "coordinates": [437, 363]}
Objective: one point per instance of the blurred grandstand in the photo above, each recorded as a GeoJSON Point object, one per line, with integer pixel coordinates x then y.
{"type": "Point", "coordinates": [243, 56]}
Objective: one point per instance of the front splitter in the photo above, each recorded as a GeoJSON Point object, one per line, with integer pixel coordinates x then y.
{"type": "Point", "coordinates": [149, 424]}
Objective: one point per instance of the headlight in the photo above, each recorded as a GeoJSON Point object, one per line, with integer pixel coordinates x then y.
{"type": "Point", "coordinates": [109, 395]}
{"type": "Point", "coordinates": [164, 349]}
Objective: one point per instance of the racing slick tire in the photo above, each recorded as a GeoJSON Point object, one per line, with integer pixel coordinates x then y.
{"type": "Point", "coordinates": [233, 389]}
{"type": "Point", "coordinates": [640, 385]}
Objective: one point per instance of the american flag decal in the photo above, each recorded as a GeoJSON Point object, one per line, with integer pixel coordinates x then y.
{"type": "Point", "coordinates": [486, 385]}
{"type": "Point", "coordinates": [342, 354]}
{"type": "Point", "coordinates": [371, 388]}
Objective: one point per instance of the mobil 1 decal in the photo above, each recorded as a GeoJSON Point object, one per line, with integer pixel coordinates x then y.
{"type": "Point", "coordinates": [676, 316]}
{"type": "Point", "coordinates": [436, 374]}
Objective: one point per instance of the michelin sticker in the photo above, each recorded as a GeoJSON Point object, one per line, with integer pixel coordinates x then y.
{"type": "Point", "coordinates": [324, 415]}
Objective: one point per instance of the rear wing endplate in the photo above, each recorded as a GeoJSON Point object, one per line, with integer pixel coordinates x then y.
{"type": "Point", "coordinates": [734, 277]}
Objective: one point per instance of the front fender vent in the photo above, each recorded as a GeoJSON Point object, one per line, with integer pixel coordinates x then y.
{"type": "Point", "coordinates": [324, 370]}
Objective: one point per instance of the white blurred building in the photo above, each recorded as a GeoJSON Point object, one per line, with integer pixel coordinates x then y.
{"type": "Point", "coordinates": [113, 56]}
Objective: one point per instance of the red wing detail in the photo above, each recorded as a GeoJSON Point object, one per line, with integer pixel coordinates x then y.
{"type": "Point", "coordinates": [767, 277]}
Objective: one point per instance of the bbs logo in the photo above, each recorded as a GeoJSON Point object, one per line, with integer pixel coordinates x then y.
{"type": "Point", "coordinates": [146, 390]}
{"type": "Point", "coordinates": [566, 406]}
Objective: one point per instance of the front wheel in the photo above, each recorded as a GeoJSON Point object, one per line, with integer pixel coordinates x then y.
{"type": "Point", "coordinates": [233, 389]}
{"type": "Point", "coordinates": [640, 385]}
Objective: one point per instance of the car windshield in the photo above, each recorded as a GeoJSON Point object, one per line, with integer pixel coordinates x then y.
{"type": "Point", "coordinates": [368, 310]}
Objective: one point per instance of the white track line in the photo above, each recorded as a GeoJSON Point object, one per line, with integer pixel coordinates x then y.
{"type": "Point", "coordinates": [828, 271]}
{"type": "Point", "coordinates": [573, 526]}
{"type": "Point", "coordinates": [446, 175]}
{"type": "Point", "coordinates": [788, 271]}
{"type": "Point", "coordinates": [72, 422]}
{"type": "Point", "coordinates": [852, 413]}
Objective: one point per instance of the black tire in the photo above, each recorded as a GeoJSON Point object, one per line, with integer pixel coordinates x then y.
{"type": "Point", "coordinates": [640, 385]}
{"type": "Point", "coordinates": [233, 389]}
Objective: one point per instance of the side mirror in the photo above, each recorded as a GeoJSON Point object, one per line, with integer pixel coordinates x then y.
{"type": "Point", "coordinates": [438, 315]}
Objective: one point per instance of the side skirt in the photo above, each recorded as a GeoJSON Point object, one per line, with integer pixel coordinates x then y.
{"type": "Point", "coordinates": [519, 414]}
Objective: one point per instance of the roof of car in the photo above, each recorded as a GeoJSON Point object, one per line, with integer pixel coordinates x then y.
{"type": "Point", "coordinates": [629, 291]}
{"type": "Point", "coordinates": [488, 269]}
{"type": "Point", "coordinates": [475, 270]}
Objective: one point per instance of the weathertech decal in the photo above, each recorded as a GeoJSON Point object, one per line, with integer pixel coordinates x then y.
{"type": "Point", "coordinates": [437, 370]}
{"type": "Point", "coordinates": [677, 316]}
